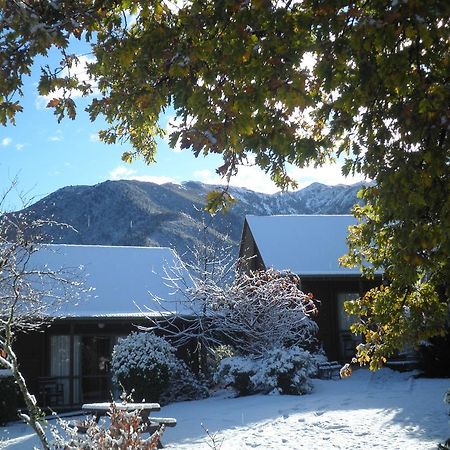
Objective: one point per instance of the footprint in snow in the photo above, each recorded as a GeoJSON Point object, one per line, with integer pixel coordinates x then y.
{"type": "Point", "coordinates": [361, 433]}
{"type": "Point", "coordinates": [336, 427]}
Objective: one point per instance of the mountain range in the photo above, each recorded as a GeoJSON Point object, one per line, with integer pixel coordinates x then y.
{"type": "Point", "coordinates": [129, 212]}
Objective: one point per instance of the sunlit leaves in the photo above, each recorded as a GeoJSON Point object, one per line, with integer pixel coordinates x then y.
{"type": "Point", "coordinates": [387, 314]}
{"type": "Point", "coordinates": [384, 84]}
{"type": "Point", "coordinates": [8, 111]}
{"type": "Point", "coordinates": [219, 201]}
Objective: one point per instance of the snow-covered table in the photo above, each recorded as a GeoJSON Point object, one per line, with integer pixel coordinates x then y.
{"type": "Point", "coordinates": [152, 423]}
{"type": "Point", "coordinates": [101, 409]}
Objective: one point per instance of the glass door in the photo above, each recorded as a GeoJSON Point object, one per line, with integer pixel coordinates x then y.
{"type": "Point", "coordinates": [62, 386]}
{"type": "Point", "coordinates": [95, 368]}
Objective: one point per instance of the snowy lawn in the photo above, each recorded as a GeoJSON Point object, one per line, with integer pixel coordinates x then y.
{"type": "Point", "coordinates": [382, 410]}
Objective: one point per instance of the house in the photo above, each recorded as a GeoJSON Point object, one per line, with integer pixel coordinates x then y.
{"type": "Point", "coordinates": [309, 246]}
{"type": "Point", "coordinates": [68, 362]}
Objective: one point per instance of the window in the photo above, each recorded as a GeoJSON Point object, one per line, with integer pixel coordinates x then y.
{"type": "Point", "coordinates": [345, 320]}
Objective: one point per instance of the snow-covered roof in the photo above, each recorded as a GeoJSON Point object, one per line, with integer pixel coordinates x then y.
{"type": "Point", "coordinates": [125, 280]}
{"type": "Point", "coordinates": [303, 244]}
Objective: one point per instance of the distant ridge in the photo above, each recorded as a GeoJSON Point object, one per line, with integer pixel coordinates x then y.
{"type": "Point", "coordinates": [129, 212]}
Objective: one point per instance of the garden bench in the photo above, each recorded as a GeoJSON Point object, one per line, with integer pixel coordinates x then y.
{"type": "Point", "coordinates": [403, 364]}
{"type": "Point", "coordinates": [153, 423]}
{"type": "Point", "coordinates": [329, 370]}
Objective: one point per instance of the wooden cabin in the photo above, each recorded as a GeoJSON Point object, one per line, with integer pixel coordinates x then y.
{"type": "Point", "coordinates": [67, 363]}
{"type": "Point", "coordinates": [310, 246]}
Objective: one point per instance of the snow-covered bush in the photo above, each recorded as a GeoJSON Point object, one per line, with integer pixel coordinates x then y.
{"type": "Point", "coordinates": [183, 385]}
{"type": "Point", "coordinates": [251, 314]}
{"type": "Point", "coordinates": [264, 310]}
{"type": "Point", "coordinates": [236, 371]}
{"type": "Point", "coordinates": [141, 362]}
{"type": "Point", "coordinates": [146, 364]}
{"type": "Point", "coordinates": [287, 371]}
{"type": "Point", "coordinates": [279, 370]}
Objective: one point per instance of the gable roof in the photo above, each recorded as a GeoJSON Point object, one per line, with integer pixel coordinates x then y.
{"type": "Point", "coordinates": [303, 244]}
{"type": "Point", "coordinates": [125, 280]}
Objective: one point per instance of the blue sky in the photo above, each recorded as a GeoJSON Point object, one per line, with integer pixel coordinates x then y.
{"type": "Point", "coordinates": [46, 156]}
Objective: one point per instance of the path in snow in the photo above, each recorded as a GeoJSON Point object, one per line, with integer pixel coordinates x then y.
{"type": "Point", "coordinates": [382, 410]}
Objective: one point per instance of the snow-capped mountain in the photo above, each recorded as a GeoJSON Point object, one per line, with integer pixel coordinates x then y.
{"type": "Point", "coordinates": [141, 213]}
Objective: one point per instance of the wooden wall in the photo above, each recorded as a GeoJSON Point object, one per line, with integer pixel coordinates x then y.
{"type": "Point", "coordinates": [325, 291]}
{"type": "Point", "coordinates": [30, 350]}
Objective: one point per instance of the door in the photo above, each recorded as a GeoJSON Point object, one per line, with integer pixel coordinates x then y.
{"type": "Point", "coordinates": [95, 367]}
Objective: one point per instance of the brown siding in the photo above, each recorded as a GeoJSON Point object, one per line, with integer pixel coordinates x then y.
{"type": "Point", "coordinates": [31, 352]}
{"type": "Point", "coordinates": [325, 290]}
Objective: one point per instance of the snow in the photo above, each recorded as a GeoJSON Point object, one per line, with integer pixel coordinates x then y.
{"type": "Point", "coordinates": [122, 278]}
{"type": "Point", "coordinates": [105, 406]}
{"type": "Point", "coordinates": [382, 410]}
{"type": "Point", "coordinates": [303, 244]}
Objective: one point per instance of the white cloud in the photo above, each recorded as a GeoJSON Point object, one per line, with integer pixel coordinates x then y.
{"type": "Point", "coordinates": [155, 179]}
{"type": "Point", "coordinates": [55, 138]}
{"type": "Point", "coordinates": [20, 146]}
{"type": "Point", "coordinates": [207, 176]}
{"type": "Point", "coordinates": [58, 136]}
{"type": "Point", "coordinates": [40, 101]}
{"type": "Point", "coordinates": [120, 173]}
{"type": "Point", "coordinates": [330, 174]}
{"type": "Point", "coordinates": [78, 69]}
{"type": "Point", "coordinates": [93, 137]}
{"type": "Point", "coordinates": [126, 173]}
{"type": "Point", "coordinates": [252, 177]}
{"type": "Point", "coordinates": [6, 141]}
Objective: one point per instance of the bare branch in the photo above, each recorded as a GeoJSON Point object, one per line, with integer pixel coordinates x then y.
{"type": "Point", "coordinates": [30, 295]}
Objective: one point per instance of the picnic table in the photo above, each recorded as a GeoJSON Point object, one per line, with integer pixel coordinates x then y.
{"type": "Point", "coordinates": [151, 423]}
{"type": "Point", "coordinates": [101, 409]}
